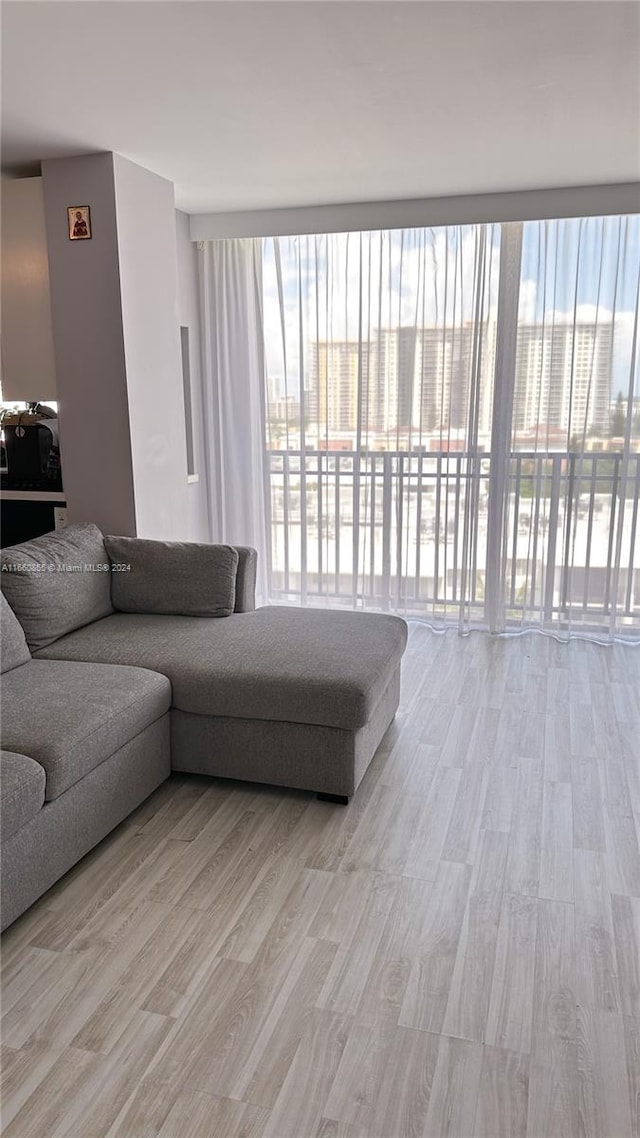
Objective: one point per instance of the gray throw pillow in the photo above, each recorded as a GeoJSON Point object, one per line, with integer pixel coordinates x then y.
{"type": "Point", "coordinates": [14, 646]}
{"type": "Point", "coordinates": [172, 577]}
{"type": "Point", "coordinates": [57, 583]}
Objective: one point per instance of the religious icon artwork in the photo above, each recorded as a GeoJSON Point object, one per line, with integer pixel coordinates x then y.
{"type": "Point", "coordinates": [79, 222]}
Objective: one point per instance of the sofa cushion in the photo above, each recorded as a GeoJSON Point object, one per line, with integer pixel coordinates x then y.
{"type": "Point", "coordinates": [303, 665]}
{"type": "Point", "coordinates": [71, 717]}
{"type": "Point", "coordinates": [13, 646]}
{"type": "Point", "coordinates": [57, 583]}
{"type": "Point", "coordinates": [163, 577]}
{"type": "Point", "coordinates": [21, 791]}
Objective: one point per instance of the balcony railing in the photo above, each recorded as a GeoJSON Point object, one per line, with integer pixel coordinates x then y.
{"type": "Point", "coordinates": [408, 531]}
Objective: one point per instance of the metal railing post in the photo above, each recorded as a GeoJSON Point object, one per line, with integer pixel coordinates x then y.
{"type": "Point", "coordinates": [387, 497]}
{"type": "Point", "coordinates": [554, 504]}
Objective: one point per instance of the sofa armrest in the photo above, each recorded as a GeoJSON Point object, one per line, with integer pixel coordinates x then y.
{"type": "Point", "coordinates": [246, 579]}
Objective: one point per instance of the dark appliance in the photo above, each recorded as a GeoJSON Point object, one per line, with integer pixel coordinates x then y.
{"type": "Point", "coordinates": [31, 452]}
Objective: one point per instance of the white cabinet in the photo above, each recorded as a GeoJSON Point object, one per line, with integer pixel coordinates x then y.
{"type": "Point", "coordinates": [28, 366]}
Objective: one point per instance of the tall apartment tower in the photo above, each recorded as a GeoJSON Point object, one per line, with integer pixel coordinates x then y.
{"type": "Point", "coordinates": [334, 385]}
{"type": "Point", "coordinates": [563, 377]}
{"type": "Point", "coordinates": [453, 360]}
{"type": "Point", "coordinates": [347, 377]}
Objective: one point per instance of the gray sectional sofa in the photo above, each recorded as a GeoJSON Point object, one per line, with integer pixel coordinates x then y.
{"type": "Point", "coordinates": [124, 658]}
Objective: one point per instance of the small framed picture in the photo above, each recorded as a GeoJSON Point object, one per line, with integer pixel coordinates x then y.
{"type": "Point", "coordinates": [79, 222]}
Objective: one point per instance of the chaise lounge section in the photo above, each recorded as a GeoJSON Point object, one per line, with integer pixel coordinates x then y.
{"type": "Point", "coordinates": [297, 698]}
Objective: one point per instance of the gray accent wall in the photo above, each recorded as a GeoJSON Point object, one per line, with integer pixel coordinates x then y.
{"type": "Point", "coordinates": [95, 436]}
{"type": "Point", "coordinates": [116, 328]}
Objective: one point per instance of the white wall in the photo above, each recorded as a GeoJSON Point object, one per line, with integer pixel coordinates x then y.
{"type": "Point", "coordinates": [189, 316]}
{"type": "Point", "coordinates": [28, 364]}
{"type": "Point", "coordinates": [146, 243]}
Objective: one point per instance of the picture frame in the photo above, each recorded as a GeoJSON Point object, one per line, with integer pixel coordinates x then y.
{"type": "Point", "coordinates": [79, 221]}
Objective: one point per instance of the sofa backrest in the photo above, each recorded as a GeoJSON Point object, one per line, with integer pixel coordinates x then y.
{"type": "Point", "coordinates": [57, 583]}
{"type": "Point", "coordinates": [13, 646]}
{"type": "Point", "coordinates": [172, 577]}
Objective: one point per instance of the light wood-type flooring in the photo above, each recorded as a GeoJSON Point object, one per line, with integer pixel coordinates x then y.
{"type": "Point", "coordinates": [456, 953]}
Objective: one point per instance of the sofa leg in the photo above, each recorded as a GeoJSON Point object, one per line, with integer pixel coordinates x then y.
{"type": "Point", "coordinates": [339, 799]}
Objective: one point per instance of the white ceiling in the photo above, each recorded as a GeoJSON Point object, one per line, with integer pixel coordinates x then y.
{"type": "Point", "coordinates": [253, 105]}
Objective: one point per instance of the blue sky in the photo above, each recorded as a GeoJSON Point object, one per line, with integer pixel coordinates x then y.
{"type": "Point", "coordinates": [587, 261]}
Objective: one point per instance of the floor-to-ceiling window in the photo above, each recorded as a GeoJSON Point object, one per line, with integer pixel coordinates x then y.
{"type": "Point", "coordinates": [379, 370]}
{"type": "Point", "coordinates": [450, 420]}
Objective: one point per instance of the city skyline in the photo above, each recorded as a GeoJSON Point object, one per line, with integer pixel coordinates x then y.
{"type": "Point", "coordinates": [428, 380]}
{"type": "Point", "coordinates": [343, 286]}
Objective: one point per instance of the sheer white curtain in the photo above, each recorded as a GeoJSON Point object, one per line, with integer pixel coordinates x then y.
{"type": "Point", "coordinates": [570, 549]}
{"type": "Point", "coordinates": [234, 390]}
{"type": "Point", "coordinates": [379, 350]}
{"type": "Point", "coordinates": [443, 423]}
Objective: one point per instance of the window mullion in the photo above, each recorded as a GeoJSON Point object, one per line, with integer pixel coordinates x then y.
{"type": "Point", "coordinates": [501, 423]}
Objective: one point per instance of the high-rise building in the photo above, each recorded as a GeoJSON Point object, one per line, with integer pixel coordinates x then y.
{"type": "Point", "coordinates": [371, 384]}
{"type": "Point", "coordinates": [563, 377]}
{"type": "Point", "coordinates": [441, 379]}
{"type": "Point", "coordinates": [402, 380]}
{"type": "Point", "coordinates": [336, 377]}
